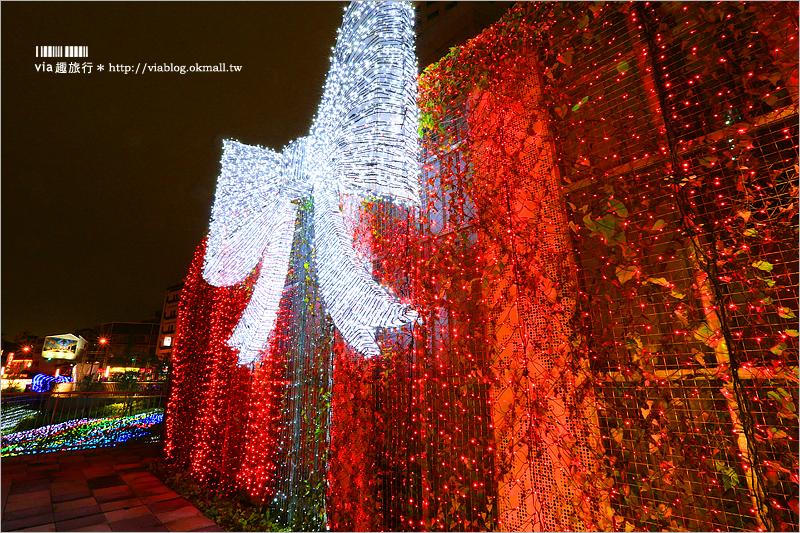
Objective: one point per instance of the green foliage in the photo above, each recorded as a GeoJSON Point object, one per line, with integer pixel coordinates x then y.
{"type": "Point", "coordinates": [686, 258]}
{"type": "Point", "coordinates": [229, 510]}
{"type": "Point", "coordinates": [119, 409]}
{"type": "Point", "coordinates": [129, 381]}
{"type": "Point", "coordinates": [88, 383]}
{"type": "Point", "coordinates": [305, 204]}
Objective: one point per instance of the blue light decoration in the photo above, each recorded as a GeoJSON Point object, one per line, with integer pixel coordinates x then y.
{"type": "Point", "coordinates": [43, 382]}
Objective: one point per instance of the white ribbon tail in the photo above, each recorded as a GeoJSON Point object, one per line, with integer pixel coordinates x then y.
{"type": "Point", "coordinates": [357, 304]}
{"type": "Point", "coordinates": [258, 319]}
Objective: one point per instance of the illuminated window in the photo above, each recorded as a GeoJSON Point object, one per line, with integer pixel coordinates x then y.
{"type": "Point", "coordinates": [167, 341]}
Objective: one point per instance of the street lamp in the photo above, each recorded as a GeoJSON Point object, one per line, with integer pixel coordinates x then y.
{"type": "Point", "coordinates": [103, 342]}
{"type": "Point", "coordinates": [27, 350]}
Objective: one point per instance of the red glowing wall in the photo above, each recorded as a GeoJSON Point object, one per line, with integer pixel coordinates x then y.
{"type": "Point", "coordinates": [605, 267]}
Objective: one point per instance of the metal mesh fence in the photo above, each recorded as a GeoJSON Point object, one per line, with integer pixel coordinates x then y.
{"type": "Point", "coordinates": [710, 148]}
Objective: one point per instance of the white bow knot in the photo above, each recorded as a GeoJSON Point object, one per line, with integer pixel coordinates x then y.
{"type": "Point", "coordinates": [364, 140]}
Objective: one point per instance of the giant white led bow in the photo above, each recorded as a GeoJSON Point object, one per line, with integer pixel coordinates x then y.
{"type": "Point", "coordinates": [364, 140]}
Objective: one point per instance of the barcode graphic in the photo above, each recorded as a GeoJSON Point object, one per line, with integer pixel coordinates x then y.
{"type": "Point", "coordinates": [62, 51]}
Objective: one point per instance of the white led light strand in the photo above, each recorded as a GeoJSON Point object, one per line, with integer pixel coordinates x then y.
{"type": "Point", "coordinates": [363, 141]}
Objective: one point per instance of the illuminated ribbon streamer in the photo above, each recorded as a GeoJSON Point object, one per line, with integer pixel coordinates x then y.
{"type": "Point", "coordinates": [364, 141]}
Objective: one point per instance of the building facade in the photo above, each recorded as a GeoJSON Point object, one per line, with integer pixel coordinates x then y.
{"type": "Point", "coordinates": [169, 322]}
{"type": "Point", "coordinates": [127, 345]}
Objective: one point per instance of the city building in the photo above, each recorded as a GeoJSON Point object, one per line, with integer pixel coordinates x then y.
{"type": "Point", "coordinates": [126, 346]}
{"type": "Point", "coordinates": [24, 358]}
{"type": "Point", "coordinates": [169, 322]}
{"type": "Point", "coordinates": [19, 360]}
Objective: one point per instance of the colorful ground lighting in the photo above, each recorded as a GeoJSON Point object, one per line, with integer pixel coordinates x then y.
{"type": "Point", "coordinates": [84, 433]}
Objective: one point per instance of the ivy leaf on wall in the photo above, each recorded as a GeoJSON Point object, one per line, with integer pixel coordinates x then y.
{"type": "Point", "coordinates": [677, 294]}
{"type": "Point", "coordinates": [789, 407]}
{"type": "Point", "coordinates": [778, 349]}
{"type": "Point", "coordinates": [617, 207]}
{"type": "Point", "coordinates": [763, 265]}
{"type": "Point", "coordinates": [729, 476]}
{"type": "Point", "coordinates": [634, 343]}
{"type": "Point", "coordinates": [579, 104]}
{"type": "Point", "coordinates": [566, 57]}
{"type": "Point", "coordinates": [709, 161]}
{"type": "Point", "coordinates": [626, 273]}
{"type": "Point", "coordinates": [706, 335]}
{"type": "Point", "coordinates": [606, 227]}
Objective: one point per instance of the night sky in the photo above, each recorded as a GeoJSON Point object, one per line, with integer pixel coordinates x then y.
{"type": "Point", "coordinates": [108, 178]}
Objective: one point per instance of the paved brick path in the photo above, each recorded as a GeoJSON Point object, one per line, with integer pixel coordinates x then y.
{"type": "Point", "coordinates": [96, 490]}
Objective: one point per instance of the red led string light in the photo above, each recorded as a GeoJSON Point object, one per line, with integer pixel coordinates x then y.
{"type": "Point", "coordinates": [592, 278]}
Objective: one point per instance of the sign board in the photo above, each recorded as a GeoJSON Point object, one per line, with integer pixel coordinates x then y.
{"type": "Point", "coordinates": [65, 346]}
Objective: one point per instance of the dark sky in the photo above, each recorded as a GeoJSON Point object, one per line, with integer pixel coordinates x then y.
{"type": "Point", "coordinates": [108, 178]}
